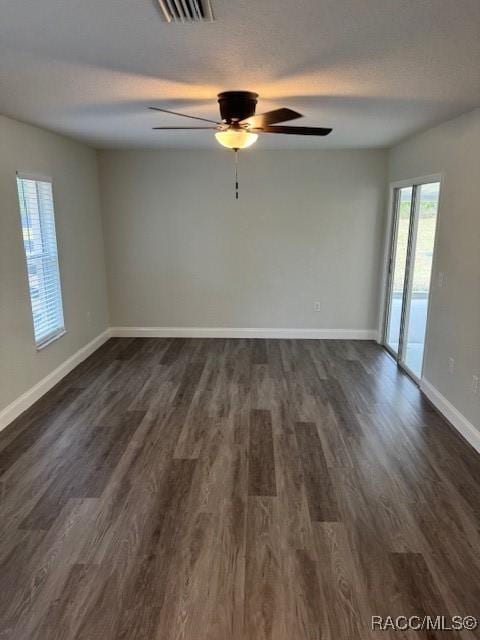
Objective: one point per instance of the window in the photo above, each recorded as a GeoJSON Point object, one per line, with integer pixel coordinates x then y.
{"type": "Point", "coordinates": [38, 227]}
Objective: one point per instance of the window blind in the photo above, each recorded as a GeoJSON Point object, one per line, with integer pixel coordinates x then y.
{"type": "Point", "coordinates": [39, 240]}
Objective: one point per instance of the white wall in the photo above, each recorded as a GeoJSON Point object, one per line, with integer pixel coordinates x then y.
{"type": "Point", "coordinates": [181, 252]}
{"type": "Point", "coordinates": [73, 168]}
{"type": "Point", "coordinates": [452, 149]}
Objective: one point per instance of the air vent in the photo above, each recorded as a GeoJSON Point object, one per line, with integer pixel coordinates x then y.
{"type": "Point", "coordinates": [186, 10]}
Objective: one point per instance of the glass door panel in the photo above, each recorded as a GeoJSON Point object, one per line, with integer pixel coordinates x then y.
{"type": "Point", "coordinates": [398, 262]}
{"type": "Point", "coordinates": [420, 271]}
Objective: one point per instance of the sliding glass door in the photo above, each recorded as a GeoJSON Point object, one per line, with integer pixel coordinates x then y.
{"type": "Point", "coordinates": [415, 210]}
{"type": "Point", "coordinates": [398, 264]}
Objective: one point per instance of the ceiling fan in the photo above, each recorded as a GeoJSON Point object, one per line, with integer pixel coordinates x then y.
{"type": "Point", "coordinates": [239, 126]}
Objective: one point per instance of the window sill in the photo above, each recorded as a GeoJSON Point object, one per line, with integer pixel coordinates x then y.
{"type": "Point", "coordinates": [48, 341]}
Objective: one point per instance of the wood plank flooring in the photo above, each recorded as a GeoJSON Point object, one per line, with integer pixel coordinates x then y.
{"type": "Point", "coordinates": [235, 490]}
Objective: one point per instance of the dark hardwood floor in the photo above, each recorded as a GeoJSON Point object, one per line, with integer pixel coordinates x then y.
{"type": "Point", "coordinates": [234, 490]}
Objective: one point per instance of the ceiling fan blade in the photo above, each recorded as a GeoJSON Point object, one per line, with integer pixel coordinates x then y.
{"type": "Point", "coordinates": [271, 117]}
{"type": "Point", "coordinates": [184, 115]}
{"type": "Point", "coordinates": [298, 131]}
{"type": "Point", "coordinates": [185, 128]}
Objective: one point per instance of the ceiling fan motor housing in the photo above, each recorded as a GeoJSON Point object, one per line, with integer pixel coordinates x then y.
{"type": "Point", "coordinates": [237, 105]}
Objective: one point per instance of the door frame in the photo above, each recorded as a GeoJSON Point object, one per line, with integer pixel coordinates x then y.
{"type": "Point", "coordinates": [387, 271]}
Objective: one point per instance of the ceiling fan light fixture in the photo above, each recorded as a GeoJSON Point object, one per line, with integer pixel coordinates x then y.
{"type": "Point", "coordinates": [236, 138]}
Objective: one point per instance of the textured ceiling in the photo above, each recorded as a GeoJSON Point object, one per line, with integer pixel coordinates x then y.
{"type": "Point", "coordinates": [374, 70]}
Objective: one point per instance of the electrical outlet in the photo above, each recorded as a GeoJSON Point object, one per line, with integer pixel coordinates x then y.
{"type": "Point", "coordinates": [89, 317]}
{"type": "Point", "coordinates": [316, 307]}
{"type": "Point", "coordinates": [442, 279]}
{"type": "Point", "coordinates": [451, 365]}
{"type": "Point", "coordinates": [475, 384]}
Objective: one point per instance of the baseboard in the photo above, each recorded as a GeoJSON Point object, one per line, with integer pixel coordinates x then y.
{"type": "Point", "coordinates": [227, 332]}
{"type": "Point", "coordinates": [22, 403]}
{"type": "Point", "coordinates": [446, 408]}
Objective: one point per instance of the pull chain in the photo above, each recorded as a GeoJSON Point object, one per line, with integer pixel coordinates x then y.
{"type": "Point", "coordinates": [236, 174]}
